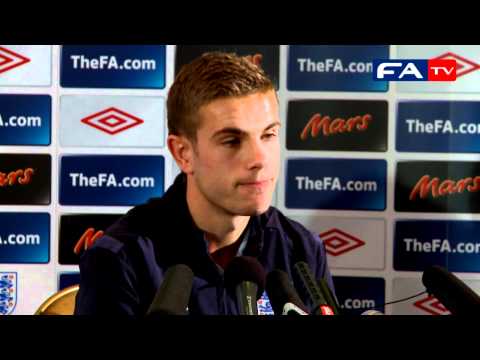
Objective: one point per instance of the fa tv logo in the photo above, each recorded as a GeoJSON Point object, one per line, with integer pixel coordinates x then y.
{"type": "Point", "coordinates": [415, 70]}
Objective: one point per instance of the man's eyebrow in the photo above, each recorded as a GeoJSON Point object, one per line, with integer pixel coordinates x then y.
{"type": "Point", "coordinates": [228, 131]}
{"type": "Point", "coordinates": [276, 123]}
{"type": "Point", "coordinates": [237, 131]}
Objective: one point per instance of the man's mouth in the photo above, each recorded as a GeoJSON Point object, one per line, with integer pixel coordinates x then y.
{"type": "Point", "coordinates": [257, 184]}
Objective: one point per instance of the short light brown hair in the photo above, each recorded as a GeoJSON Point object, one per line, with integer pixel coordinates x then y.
{"type": "Point", "coordinates": [212, 76]}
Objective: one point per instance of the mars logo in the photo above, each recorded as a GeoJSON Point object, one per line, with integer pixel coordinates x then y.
{"type": "Point", "coordinates": [79, 232]}
{"type": "Point", "coordinates": [338, 242]}
{"type": "Point", "coordinates": [328, 126]}
{"type": "Point", "coordinates": [8, 292]}
{"type": "Point", "coordinates": [431, 305]}
{"type": "Point", "coordinates": [87, 239]}
{"type": "Point", "coordinates": [337, 125]}
{"type": "Point", "coordinates": [464, 66]}
{"type": "Point", "coordinates": [20, 176]}
{"type": "Point", "coordinates": [10, 60]}
{"type": "Point", "coordinates": [437, 186]}
{"type": "Point", "coordinates": [434, 187]}
{"type": "Point", "coordinates": [112, 121]}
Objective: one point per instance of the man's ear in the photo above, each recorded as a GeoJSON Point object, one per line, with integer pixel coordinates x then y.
{"type": "Point", "coordinates": [182, 151]}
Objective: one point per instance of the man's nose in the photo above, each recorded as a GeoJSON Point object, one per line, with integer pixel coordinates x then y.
{"type": "Point", "coordinates": [257, 155]}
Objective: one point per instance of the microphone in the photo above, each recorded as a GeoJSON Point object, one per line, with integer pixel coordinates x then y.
{"type": "Point", "coordinates": [247, 276]}
{"type": "Point", "coordinates": [317, 296]}
{"type": "Point", "coordinates": [329, 297]}
{"type": "Point", "coordinates": [174, 293]}
{"type": "Point", "coordinates": [372, 312]}
{"type": "Point", "coordinates": [282, 295]}
{"type": "Point", "coordinates": [453, 293]}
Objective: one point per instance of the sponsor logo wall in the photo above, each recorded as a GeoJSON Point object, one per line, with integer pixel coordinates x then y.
{"type": "Point", "coordinates": [385, 173]}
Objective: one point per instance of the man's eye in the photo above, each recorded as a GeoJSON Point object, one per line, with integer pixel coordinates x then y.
{"type": "Point", "coordinates": [270, 135]}
{"type": "Point", "coordinates": [231, 142]}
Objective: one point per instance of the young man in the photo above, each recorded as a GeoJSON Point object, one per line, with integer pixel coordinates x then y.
{"type": "Point", "coordinates": [223, 122]}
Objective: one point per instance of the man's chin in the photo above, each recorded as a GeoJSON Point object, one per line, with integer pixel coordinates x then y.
{"type": "Point", "coordinates": [253, 210]}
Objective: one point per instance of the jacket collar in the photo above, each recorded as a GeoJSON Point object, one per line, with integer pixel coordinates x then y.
{"type": "Point", "coordinates": [191, 238]}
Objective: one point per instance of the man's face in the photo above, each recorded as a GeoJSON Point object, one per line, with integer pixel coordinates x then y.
{"type": "Point", "coordinates": [236, 163]}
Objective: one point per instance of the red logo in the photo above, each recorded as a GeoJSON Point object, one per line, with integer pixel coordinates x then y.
{"type": "Point", "coordinates": [87, 239]}
{"type": "Point", "coordinates": [329, 126]}
{"type": "Point", "coordinates": [10, 60]}
{"type": "Point", "coordinates": [338, 242]}
{"type": "Point", "coordinates": [326, 310]}
{"type": "Point", "coordinates": [464, 66]}
{"type": "Point", "coordinates": [442, 70]}
{"type": "Point", "coordinates": [431, 305]}
{"type": "Point", "coordinates": [112, 121]}
{"type": "Point", "coordinates": [22, 177]}
{"type": "Point", "coordinates": [425, 187]}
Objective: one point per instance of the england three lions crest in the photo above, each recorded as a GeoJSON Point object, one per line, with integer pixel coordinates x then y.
{"type": "Point", "coordinates": [264, 306]}
{"type": "Point", "coordinates": [8, 292]}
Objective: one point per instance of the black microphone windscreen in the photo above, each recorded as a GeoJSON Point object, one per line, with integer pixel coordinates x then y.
{"type": "Point", "coordinates": [453, 293]}
{"type": "Point", "coordinates": [327, 292]}
{"type": "Point", "coordinates": [281, 291]}
{"type": "Point", "coordinates": [315, 292]}
{"type": "Point", "coordinates": [245, 268]}
{"type": "Point", "coordinates": [173, 295]}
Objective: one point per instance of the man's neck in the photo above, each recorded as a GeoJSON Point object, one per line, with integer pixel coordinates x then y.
{"type": "Point", "coordinates": [221, 229]}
